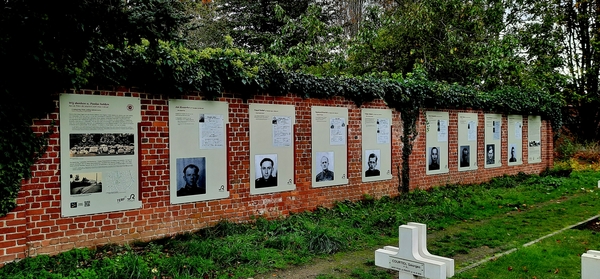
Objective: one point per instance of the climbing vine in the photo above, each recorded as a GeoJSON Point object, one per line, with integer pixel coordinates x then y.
{"type": "Point", "coordinates": [178, 70]}
{"type": "Point", "coordinates": [20, 148]}
{"type": "Point", "coordinates": [213, 70]}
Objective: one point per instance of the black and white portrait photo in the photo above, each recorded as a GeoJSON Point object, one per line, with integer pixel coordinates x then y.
{"type": "Point", "coordinates": [191, 179]}
{"type": "Point", "coordinates": [490, 154]}
{"type": "Point", "coordinates": [325, 161]}
{"type": "Point", "coordinates": [265, 170]}
{"type": "Point", "coordinates": [465, 154]}
{"type": "Point", "coordinates": [512, 153]}
{"type": "Point", "coordinates": [434, 158]}
{"type": "Point", "coordinates": [372, 162]}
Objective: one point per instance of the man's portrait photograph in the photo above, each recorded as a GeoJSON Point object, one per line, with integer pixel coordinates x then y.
{"type": "Point", "coordinates": [372, 162]}
{"type": "Point", "coordinates": [265, 170]}
{"type": "Point", "coordinates": [191, 176]}
{"type": "Point", "coordinates": [325, 163]}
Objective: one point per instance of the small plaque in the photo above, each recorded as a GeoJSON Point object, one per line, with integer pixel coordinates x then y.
{"type": "Point", "coordinates": [406, 266]}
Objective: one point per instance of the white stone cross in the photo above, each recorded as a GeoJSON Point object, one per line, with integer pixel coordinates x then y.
{"type": "Point", "coordinates": [411, 258]}
{"type": "Point", "coordinates": [590, 264]}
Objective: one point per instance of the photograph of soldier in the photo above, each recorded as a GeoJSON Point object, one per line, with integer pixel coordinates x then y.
{"type": "Point", "coordinates": [101, 144]}
{"type": "Point", "coordinates": [325, 161]}
{"type": "Point", "coordinates": [434, 158]}
{"type": "Point", "coordinates": [86, 183]}
{"type": "Point", "coordinates": [512, 152]}
{"type": "Point", "coordinates": [192, 176]}
{"type": "Point", "coordinates": [490, 156]}
{"type": "Point", "coordinates": [464, 156]}
{"type": "Point", "coordinates": [372, 163]}
{"type": "Point", "coordinates": [266, 170]}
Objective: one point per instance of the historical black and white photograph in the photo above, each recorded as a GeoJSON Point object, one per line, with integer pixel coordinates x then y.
{"type": "Point", "coordinates": [434, 158]}
{"type": "Point", "coordinates": [325, 161]}
{"type": "Point", "coordinates": [372, 162]}
{"type": "Point", "coordinates": [535, 143]}
{"type": "Point", "coordinates": [191, 176]}
{"type": "Point", "coordinates": [465, 155]}
{"type": "Point", "coordinates": [82, 145]}
{"type": "Point", "coordinates": [266, 170]}
{"type": "Point", "coordinates": [86, 183]}
{"type": "Point", "coordinates": [490, 154]}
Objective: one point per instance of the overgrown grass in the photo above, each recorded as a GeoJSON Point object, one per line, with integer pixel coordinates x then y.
{"type": "Point", "coordinates": [243, 250]}
{"type": "Point", "coordinates": [577, 155]}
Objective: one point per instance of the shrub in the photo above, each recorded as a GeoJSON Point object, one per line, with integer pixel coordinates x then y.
{"type": "Point", "coordinates": [560, 169]}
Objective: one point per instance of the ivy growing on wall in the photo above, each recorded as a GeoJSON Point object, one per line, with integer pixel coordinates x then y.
{"type": "Point", "coordinates": [212, 71]}
{"type": "Point", "coordinates": [178, 70]}
{"type": "Point", "coordinates": [19, 149]}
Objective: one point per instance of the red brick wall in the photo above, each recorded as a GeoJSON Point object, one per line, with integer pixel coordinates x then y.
{"type": "Point", "coordinates": [35, 227]}
{"type": "Point", "coordinates": [418, 179]}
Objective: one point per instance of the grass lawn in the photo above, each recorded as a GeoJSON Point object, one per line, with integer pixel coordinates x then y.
{"type": "Point", "coordinates": [558, 256]}
{"type": "Point", "coordinates": [468, 223]}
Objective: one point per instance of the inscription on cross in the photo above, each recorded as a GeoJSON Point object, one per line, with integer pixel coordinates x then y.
{"type": "Point", "coordinates": [411, 258]}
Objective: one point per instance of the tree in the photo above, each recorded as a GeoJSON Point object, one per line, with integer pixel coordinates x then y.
{"type": "Point", "coordinates": [49, 46]}
{"type": "Point", "coordinates": [560, 40]}
{"type": "Point", "coordinates": [351, 13]}
{"type": "Point", "coordinates": [454, 41]}
{"type": "Point", "coordinates": [253, 25]}
{"type": "Point", "coordinates": [308, 42]}
{"type": "Point", "coordinates": [582, 52]}
{"type": "Point", "coordinates": [208, 27]}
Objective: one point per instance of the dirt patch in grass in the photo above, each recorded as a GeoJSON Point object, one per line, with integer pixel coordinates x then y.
{"type": "Point", "coordinates": [338, 265]}
{"type": "Point", "coordinates": [593, 225]}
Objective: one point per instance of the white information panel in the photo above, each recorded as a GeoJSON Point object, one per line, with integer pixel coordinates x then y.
{"type": "Point", "coordinates": [467, 141]}
{"type": "Point", "coordinates": [198, 150]}
{"type": "Point", "coordinates": [436, 160]}
{"type": "Point", "coordinates": [271, 148]}
{"type": "Point", "coordinates": [534, 138]}
{"type": "Point", "coordinates": [376, 144]}
{"type": "Point", "coordinates": [98, 154]}
{"type": "Point", "coordinates": [493, 140]}
{"type": "Point", "coordinates": [515, 140]}
{"type": "Point", "coordinates": [329, 146]}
